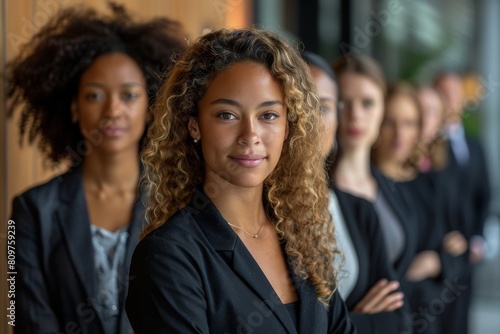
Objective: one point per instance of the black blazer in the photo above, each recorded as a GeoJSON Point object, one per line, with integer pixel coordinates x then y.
{"type": "Point", "coordinates": [56, 286]}
{"type": "Point", "coordinates": [194, 275]}
{"type": "Point", "coordinates": [401, 205]}
{"type": "Point", "coordinates": [436, 215]}
{"type": "Point", "coordinates": [475, 193]}
{"type": "Point", "coordinates": [431, 204]}
{"type": "Point", "coordinates": [363, 226]}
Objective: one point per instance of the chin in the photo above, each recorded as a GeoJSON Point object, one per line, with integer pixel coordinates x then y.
{"type": "Point", "coordinates": [356, 143]}
{"type": "Point", "coordinates": [248, 182]}
{"type": "Point", "coordinates": [116, 149]}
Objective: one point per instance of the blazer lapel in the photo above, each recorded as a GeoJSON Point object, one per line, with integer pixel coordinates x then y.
{"type": "Point", "coordinates": [75, 225]}
{"type": "Point", "coordinates": [353, 226]}
{"type": "Point", "coordinates": [249, 271]}
{"type": "Point", "coordinates": [405, 215]}
{"type": "Point", "coordinates": [308, 304]}
{"type": "Point", "coordinates": [232, 249]}
{"type": "Point", "coordinates": [133, 238]}
{"type": "Point", "coordinates": [74, 222]}
{"type": "Point", "coordinates": [134, 231]}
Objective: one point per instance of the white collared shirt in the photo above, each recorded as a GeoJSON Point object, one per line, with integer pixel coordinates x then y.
{"type": "Point", "coordinates": [456, 135]}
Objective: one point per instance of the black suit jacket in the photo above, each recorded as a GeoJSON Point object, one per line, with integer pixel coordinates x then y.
{"type": "Point", "coordinates": [194, 275]}
{"type": "Point", "coordinates": [401, 204]}
{"type": "Point", "coordinates": [363, 226]}
{"type": "Point", "coordinates": [430, 202]}
{"type": "Point", "coordinates": [475, 191]}
{"type": "Point", "coordinates": [436, 215]}
{"type": "Point", "coordinates": [56, 287]}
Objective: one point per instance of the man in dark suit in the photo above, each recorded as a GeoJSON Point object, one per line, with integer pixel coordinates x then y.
{"type": "Point", "coordinates": [467, 159]}
{"type": "Point", "coordinates": [467, 162]}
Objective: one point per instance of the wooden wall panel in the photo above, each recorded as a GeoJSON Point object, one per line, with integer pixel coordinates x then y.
{"type": "Point", "coordinates": [23, 167]}
{"type": "Point", "coordinates": [3, 126]}
{"type": "Point", "coordinates": [195, 15]}
{"type": "Point", "coordinates": [3, 185]}
{"type": "Point", "coordinates": [18, 31]}
{"type": "Point", "coordinates": [15, 33]}
{"type": "Point", "coordinates": [238, 13]}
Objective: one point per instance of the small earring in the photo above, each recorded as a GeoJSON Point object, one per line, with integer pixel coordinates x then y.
{"type": "Point", "coordinates": [195, 140]}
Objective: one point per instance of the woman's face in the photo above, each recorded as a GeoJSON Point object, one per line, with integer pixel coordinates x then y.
{"type": "Point", "coordinates": [327, 92]}
{"type": "Point", "coordinates": [362, 111]}
{"type": "Point", "coordinates": [433, 110]}
{"type": "Point", "coordinates": [400, 129]}
{"type": "Point", "coordinates": [241, 124]}
{"type": "Point", "coordinates": [111, 104]}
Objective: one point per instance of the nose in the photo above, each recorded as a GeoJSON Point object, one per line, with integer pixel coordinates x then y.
{"type": "Point", "coordinates": [114, 108]}
{"type": "Point", "coordinates": [398, 132]}
{"type": "Point", "coordinates": [351, 110]}
{"type": "Point", "coordinates": [248, 133]}
{"type": "Point", "coordinates": [356, 110]}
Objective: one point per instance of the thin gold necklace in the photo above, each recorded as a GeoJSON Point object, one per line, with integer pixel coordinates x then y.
{"type": "Point", "coordinates": [255, 236]}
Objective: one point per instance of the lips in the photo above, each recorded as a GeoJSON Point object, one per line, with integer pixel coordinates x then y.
{"type": "Point", "coordinates": [354, 132]}
{"type": "Point", "coordinates": [113, 131]}
{"type": "Point", "coordinates": [248, 160]}
{"type": "Point", "coordinates": [397, 146]}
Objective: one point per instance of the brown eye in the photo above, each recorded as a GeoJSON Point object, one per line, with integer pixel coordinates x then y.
{"type": "Point", "coordinates": [94, 96]}
{"type": "Point", "coordinates": [368, 103]}
{"type": "Point", "coordinates": [269, 116]}
{"type": "Point", "coordinates": [225, 116]}
{"type": "Point", "coordinates": [130, 96]}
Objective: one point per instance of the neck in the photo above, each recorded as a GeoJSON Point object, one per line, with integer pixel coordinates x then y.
{"type": "Point", "coordinates": [394, 169]}
{"type": "Point", "coordinates": [353, 174]}
{"type": "Point", "coordinates": [390, 168]}
{"type": "Point", "coordinates": [454, 123]}
{"type": "Point", "coordinates": [354, 164]}
{"type": "Point", "coordinates": [103, 172]}
{"type": "Point", "coordinates": [241, 207]}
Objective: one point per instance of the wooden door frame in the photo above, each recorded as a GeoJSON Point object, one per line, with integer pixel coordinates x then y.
{"type": "Point", "coordinates": [3, 173]}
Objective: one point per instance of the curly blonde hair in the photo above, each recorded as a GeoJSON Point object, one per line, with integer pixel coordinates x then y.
{"type": "Point", "coordinates": [295, 193]}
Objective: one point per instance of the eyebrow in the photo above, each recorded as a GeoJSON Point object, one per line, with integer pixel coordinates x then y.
{"type": "Point", "coordinates": [128, 84]}
{"type": "Point", "coordinates": [234, 103]}
{"type": "Point", "coordinates": [327, 99]}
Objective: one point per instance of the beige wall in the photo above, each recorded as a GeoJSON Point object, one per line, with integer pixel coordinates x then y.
{"type": "Point", "coordinates": [22, 167]}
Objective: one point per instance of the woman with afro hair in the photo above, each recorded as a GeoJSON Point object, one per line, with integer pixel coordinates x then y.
{"type": "Point", "coordinates": [83, 87]}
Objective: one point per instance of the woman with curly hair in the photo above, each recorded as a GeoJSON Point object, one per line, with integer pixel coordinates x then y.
{"type": "Point", "coordinates": [83, 86]}
{"type": "Point", "coordinates": [237, 209]}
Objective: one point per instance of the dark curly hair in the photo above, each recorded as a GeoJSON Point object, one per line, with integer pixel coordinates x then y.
{"type": "Point", "coordinates": [43, 79]}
